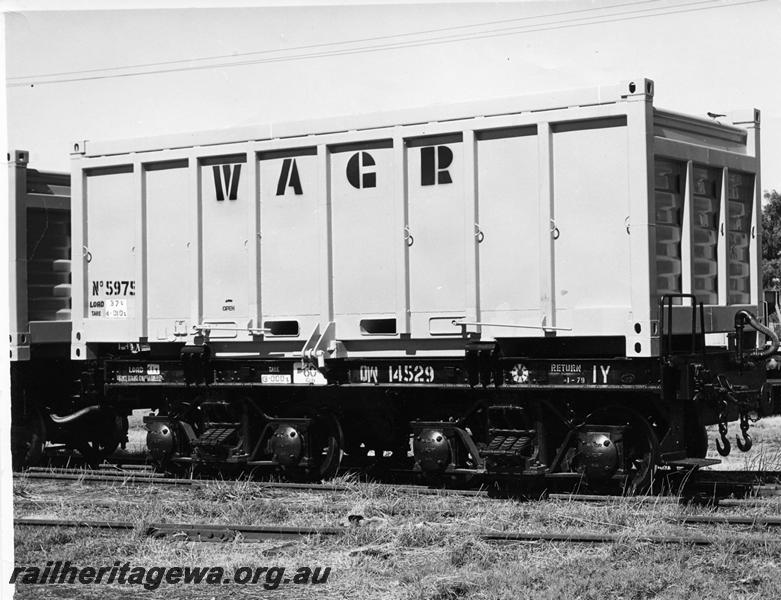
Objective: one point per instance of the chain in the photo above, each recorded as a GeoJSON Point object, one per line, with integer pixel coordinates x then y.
{"type": "Point", "coordinates": [744, 423]}
{"type": "Point", "coordinates": [723, 427]}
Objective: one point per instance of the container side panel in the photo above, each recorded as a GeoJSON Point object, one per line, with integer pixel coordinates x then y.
{"type": "Point", "coordinates": [170, 215]}
{"type": "Point", "coordinates": [437, 244]}
{"type": "Point", "coordinates": [591, 250]}
{"type": "Point", "coordinates": [290, 242]}
{"type": "Point", "coordinates": [705, 233]}
{"type": "Point", "coordinates": [508, 214]}
{"type": "Point", "coordinates": [365, 239]}
{"type": "Point", "coordinates": [48, 264]}
{"type": "Point", "coordinates": [740, 200]}
{"type": "Point", "coordinates": [669, 210]}
{"type": "Point", "coordinates": [44, 230]}
{"type": "Point", "coordinates": [225, 233]}
{"type": "Point", "coordinates": [111, 245]}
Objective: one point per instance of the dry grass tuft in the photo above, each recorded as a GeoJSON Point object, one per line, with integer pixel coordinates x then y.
{"type": "Point", "coordinates": [473, 552]}
{"type": "Point", "coordinates": [451, 588]}
{"type": "Point", "coordinates": [765, 453]}
{"type": "Point", "coordinates": [401, 545]}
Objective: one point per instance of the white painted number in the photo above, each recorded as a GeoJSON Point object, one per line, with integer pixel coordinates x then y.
{"type": "Point", "coordinates": [275, 378]}
{"type": "Point", "coordinates": [411, 374]}
{"type": "Point", "coordinates": [116, 309]}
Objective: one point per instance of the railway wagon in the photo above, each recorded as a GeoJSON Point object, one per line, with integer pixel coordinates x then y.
{"type": "Point", "coordinates": [53, 397]}
{"type": "Point", "coordinates": [562, 285]}
{"type": "Point", "coordinates": [42, 381]}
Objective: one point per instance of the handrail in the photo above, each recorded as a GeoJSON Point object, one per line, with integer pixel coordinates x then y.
{"type": "Point", "coordinates": [458, 323]}
{"type": "Point", "coordinates": [201, 327]}
{"type": "Point", "coordinates": [668, 334]}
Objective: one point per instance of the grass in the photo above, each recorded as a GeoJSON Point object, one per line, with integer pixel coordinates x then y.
{"type": "Point", "coordinates": [136, 434]}
{"type": "Point", "coordinates": [407, 546]}
{"type": "Point", "coordinates": [432, 568]}
{"type": "Point", "coordinates": [765, 453]}
{"type": "Point", "coordinates": [411, 546]}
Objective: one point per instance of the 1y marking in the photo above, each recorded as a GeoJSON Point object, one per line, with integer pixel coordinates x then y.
{"type": "Point", "coordinates": [604, 371]}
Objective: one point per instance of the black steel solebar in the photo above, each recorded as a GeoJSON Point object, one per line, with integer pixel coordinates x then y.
{"type": "Point", "coordinates": [594, 373]}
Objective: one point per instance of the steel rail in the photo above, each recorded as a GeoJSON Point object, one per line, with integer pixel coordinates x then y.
{"type": "Point", "coordinates": [728, 520]}
{"type": "Point", "coordinates": [58, 459]}
{"type": "Point", "coordinates": [758, 500]}
{"type": "Point", "coordinates": [597, 498]}
{"type": "Point", "coordinates": [607, 538]}
{"type": "Point", "coordinates": [88, 477]}
{"type": "Point", "coordinates": [738, 477]}
{"type": "Point", "coordinates": [133, 478]}
{"type": "Point", "coordinates": [192, 532]}
{"type": "Point", "coordinates": [108, 469]}
{"type": "Point", "coordinates": [718, 483]}
{"type": "Point", "coordinates": [257, 533]}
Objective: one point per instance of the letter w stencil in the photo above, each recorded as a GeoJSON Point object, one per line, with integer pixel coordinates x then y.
{"type": "Point", "coordinates": [226, 181]}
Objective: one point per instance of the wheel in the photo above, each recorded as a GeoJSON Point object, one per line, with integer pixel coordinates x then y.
{"type": "Point", "coordinates": [102, 439]}
{"type": "Point", "coordinates": [95, 451]}
{"type": "Point", "coordinates": [695, 436]}
{"type": "Point", "coordinates": [642, 453]}
{"type": "Point", "coordinates": [640, 446]}
{"type": "Point", "coordinates": [27, 442]}
{"type": "Point", "coordinates": [327, 441]}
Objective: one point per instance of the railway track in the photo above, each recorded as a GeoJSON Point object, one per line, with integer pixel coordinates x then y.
{"type": "Point", "coordinates": [257, 533]}
{"type": "Point", "coordinates": [218, 533]}
{"type": "Point", "coordinates": [708, 487]}
{"type": "Point", "coordinates": [712, 487]}
{"type": "Point", "coordinates": [154, 479]}
{"type": "Point", "coordinates": [758, 499]}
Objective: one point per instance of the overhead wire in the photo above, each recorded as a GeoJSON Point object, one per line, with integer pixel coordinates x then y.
{"type": "Point", "coordinates": [337, 43]}
{"type": "Point", "coordinates": [501, 32]}
{"type": "Point", "coordinates": [447, 39]}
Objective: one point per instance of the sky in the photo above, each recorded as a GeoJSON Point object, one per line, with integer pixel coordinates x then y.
{"type": "Point", "coordinates": [74, 75]}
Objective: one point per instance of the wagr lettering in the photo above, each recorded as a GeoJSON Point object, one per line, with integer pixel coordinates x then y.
{"type": "Point", "coordinates": [434, 170]}
{"type": "Point", "coordinates": [434, 163]}
{"type": "Point", "coordinates": [357, 173]}
{"type": "Point", "coordinates": [289, 178]}
{"type": "Point", "coordinates": [226, 181]}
